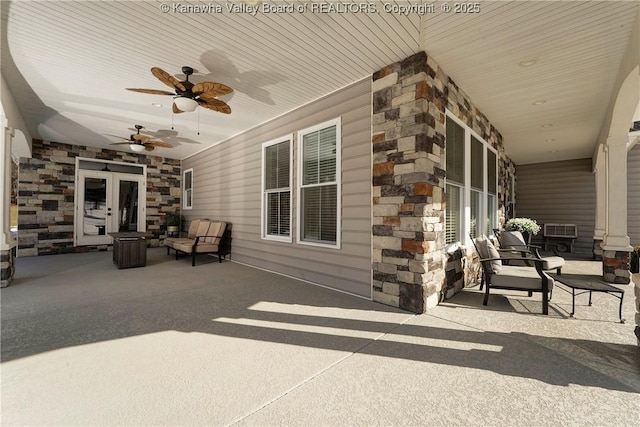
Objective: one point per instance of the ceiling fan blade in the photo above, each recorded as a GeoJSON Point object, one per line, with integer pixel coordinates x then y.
{"type": "Point", "coordinates": [120, 143]}
{"type": "Point", "coordinates": [149, 147]}
{"type": "Point", "coordinates": [175, 109]}
{"type": "Point", "coordinates": [167, 78]}
{"type": "Point", "coordinates": [138, 137]}
{"type": "Point", "coordinates": [211, 89]}
{"type": "Point", "coordinates": [152, 91]}
{"type": "Point", "coordinates": [117, 136]}
{"type": "Point", "coordinates": [159, 144]}
{"type": "Point", "coordinates": [215, 105]}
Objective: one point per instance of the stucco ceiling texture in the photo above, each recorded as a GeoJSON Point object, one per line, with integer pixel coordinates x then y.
{"type": "Point", "coordinates": [67, 63]}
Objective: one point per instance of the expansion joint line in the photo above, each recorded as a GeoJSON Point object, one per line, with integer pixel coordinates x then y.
{"type": "Point", "coordinates": [320, 372]}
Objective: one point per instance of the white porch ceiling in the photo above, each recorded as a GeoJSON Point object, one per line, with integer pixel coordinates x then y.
{"type": "Point", "coordinates": [68, 64]}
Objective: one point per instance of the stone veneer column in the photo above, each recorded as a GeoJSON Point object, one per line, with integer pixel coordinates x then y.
{"type": "Point", "coordinates": [408, 184]}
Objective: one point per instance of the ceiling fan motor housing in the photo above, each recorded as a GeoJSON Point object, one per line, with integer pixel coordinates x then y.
{"type": "Point", "coordinates": [187, 71]}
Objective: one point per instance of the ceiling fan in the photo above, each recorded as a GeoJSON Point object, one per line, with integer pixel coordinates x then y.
{"type": "Point", "coordinates": [139, 142]}
{"type": "Point", "coordinates": [187, 96]}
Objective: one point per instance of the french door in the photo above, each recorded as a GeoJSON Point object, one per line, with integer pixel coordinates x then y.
{"type": "Point", "coordinates": [108, 202]}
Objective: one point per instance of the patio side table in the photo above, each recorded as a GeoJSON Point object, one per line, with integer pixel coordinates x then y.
{"type": "Point", "coordinates": [129, 249]}
{"type": "Point", "coordinates": [588, 283]}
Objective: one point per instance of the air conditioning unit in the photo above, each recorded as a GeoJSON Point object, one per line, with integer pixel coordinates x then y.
{"type": "Point", "coordinates": [568, 231]}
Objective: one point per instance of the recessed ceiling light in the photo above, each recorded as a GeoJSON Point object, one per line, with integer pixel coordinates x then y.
{"type": "Point", "coordinates": [539, 102]}
{"type": "Point", "coordinates": [549, 140]}
{"type": "Point", "coordinates": [155, 104]}
{"type": "Point", "coordinates": [553, 151]}
{"type": "Point", "coordinates": [527, 62]}
{"type": "Point", "coordinates": [547, 125]}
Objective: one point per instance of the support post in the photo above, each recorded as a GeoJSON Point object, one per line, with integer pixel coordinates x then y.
{"type": "Point", "coordinates": [616, 244]}
{"type": "Point", "coordinates": [601, 203]}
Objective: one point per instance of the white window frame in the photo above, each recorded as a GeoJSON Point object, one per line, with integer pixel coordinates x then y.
{"type": "Point", "coordinates": [466, 188]}
{"type": "Point", "coordinates": [184, 189]}
{"type": "Point", "coordinates": [263, 213]}
{"type": "Point", "coordinates": [337, 122]}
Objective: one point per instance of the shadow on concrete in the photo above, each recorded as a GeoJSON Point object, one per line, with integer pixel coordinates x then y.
{"type": "Point", "coordinates": [90, 301]}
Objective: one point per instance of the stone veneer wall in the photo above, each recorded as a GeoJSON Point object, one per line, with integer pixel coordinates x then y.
{"type": "Point", "coordinates": [46, 195]}
{"type": "Point", "coordinates": [7, 266]}
{"type": "Point", "coordinates": [597, 249]}
{"type": "Point", "coordinates": [616, 267]}
{"type": "Point", "coordinates": [411, 269]}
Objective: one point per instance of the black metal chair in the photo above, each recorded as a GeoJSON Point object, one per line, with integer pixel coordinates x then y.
{"type": "Point", "coordinates": [495, 275]}
{"type": "Point", "coordinates": [514, 242]}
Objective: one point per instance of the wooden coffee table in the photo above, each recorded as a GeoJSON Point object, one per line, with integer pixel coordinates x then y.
{"type": "Point", "coordinates": [588, 283]}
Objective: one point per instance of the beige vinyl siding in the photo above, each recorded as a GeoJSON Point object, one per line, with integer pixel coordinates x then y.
{"type": "Point", "coordinates": [633, 192]}
{"type": "Point", "coordinates": [559, 192]}
{"type": "Point", "coordinates": [227, 186]}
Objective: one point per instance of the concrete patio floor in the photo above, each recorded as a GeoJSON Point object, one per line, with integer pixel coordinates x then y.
{"type": "Point", "coordinates": [84, 343]}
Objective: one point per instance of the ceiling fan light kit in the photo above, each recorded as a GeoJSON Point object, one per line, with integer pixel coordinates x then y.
{"type": "Point", "coordinates": [185, 104]}
{"type": "Point", "coordinates": [136, 147]}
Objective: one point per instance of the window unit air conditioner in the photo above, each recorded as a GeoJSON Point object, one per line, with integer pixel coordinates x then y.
{"type": "Point", "coordinates": [569, 231]}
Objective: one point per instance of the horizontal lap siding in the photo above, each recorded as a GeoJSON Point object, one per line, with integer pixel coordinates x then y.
{"type": "Point", "coordinates": [227, 180]}
{"type": "Point", "coordinates": [559, 192]}
{"type": "Point", "coordinates": [633, 191]}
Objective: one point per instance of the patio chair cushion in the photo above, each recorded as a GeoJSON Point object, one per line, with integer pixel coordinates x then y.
{"type": "Point", "coordinates": [519, 281]}
{"type": "Point", "coordinates": [487, 250]}
{"type": "Point", "coordinates": [512, 240]}
{"type": "Point", "coordinates": [552, 262]}
{"type": "Point", "coordinates": [193, 228]}
{"type": "Point", "coordinates": [208, 240]}
{"type": "Point", "coordinates": [191, 234]}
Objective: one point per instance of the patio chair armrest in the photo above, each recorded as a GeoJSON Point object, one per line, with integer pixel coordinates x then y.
{"type": "Point", "coordinates": [196, 239]}
{"type": "Point", "coordinates": [537, 261]}
{"type": "Point", "coordinates": [513, 251]}
{"type": "Point", "coordinates": [516, 248]}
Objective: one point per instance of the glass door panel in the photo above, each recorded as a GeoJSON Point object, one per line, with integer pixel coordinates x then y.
{"type": "Point", "coordinates": [93, 219]}
{"type": "Point", "coordinates": [128, 205]}
{"type": "Point", "coordinates": [95, 207]}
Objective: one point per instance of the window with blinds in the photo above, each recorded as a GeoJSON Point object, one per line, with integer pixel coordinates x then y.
{"type": "Point", "coordinates": [319, 184]}
{"type": "Point", "coordinates": [452, 218]}
{"type": "Point", "coordinates": [187, 189]}
{"type": "Point", "coordinates": [477, 186]}
{"type": "Point", "coordinates": [455, 159]}
{"type": "Point", "coordinates": [492, 191]}
{"type": "Point", "coordinates": [276, 189]}
{"type": "Point", "coordinates": [471, 183]}
{"type": "Point", "coordinates": [455, 153]}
